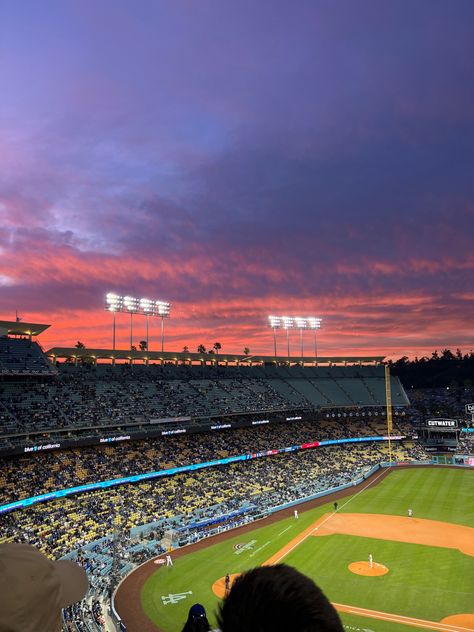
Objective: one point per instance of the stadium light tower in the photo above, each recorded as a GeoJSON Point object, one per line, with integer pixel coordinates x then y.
{"type": "Point", "coordinates": [131, 306]}
{"type": "Point", "coordinates": [164, 312]}
{"type": "Point", "coordinates": [275, 323]}
{"type": "Point", "coordinates": [314, 324]}
{"type": "Point", "coordinates": [112, 303]}
{"type": "Point", "coordinates": [288, 323]}
{"type": "Point", "coordinates": [301, 324]}
{"type": "Point", "coordinates": [143, 306]}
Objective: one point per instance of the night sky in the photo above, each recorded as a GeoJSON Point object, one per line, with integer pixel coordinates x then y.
{"type": "Point", "coordinates": [240, 159]}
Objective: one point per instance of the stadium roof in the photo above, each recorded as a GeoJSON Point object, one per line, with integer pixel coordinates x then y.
{"type": "Point", "coordinates": [222, 358]}
{"type": "Point", "coordinates": [20, 328]}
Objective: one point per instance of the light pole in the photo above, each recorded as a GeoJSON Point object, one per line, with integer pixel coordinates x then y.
{"type": "Point", "coordinates": [112, 304]}
{"type": "Point", "coordinates": [301, 324]}
{"type": "Point", "coordinates": [146, 307]}
{"type": "Point", "coordinates": [287, 324]}
{"type": "Point", "coordinates": [164, 312]}
{"type": "Point", "coordinates": [131, 305]}
{"type": "Point", "coordinates": [275, 323]}
{"type": "Point", "coordinates": [314, 324]}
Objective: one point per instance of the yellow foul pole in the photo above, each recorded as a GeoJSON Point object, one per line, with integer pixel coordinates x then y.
{"type": "Point", "coordinates": [388, 398]}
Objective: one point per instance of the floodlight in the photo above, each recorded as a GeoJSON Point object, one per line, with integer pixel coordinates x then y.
{"type": "Point", "coordinates": [146, 305]}
{"type": "Point", "coordinates": [163, 309]}
{"type": "Point", "coordinates": [300, 323]}
{"type": "Point", "coordinates": [113, 302]}
{"type": "Point", "coordinates": [314, 323]}
{"type": "Point", "coordinates": [288, 322]}
{"type": "Point", "coordinates": [275, 322]}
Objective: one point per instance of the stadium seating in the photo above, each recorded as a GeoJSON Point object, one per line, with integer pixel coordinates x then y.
{"type": "Point", "coordinates": [59, 526]}
{"type": "Point", "coordinates": [21, 356]}
{"type": "Point", "coordinates": [24, 476]}
{"type": "Point", "coordinates": [103, 395]}
{"type": "Point", "coordinates": [344, 402]}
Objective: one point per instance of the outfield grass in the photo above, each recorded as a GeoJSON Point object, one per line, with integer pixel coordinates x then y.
{"type": "Point", "coordinates": [423, 582]}
{"type": "Point", "coordinates": [434, 493]}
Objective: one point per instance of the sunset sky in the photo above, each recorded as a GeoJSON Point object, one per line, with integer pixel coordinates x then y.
{"type": "Point", "coordinates": [240, 159]}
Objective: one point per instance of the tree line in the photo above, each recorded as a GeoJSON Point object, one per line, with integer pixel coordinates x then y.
{"type": "Point", "coordinates": [441, 369]}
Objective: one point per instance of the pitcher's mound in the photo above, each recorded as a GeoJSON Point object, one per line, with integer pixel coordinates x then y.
{"type": "Point", "coordinates": [462, 620]}
{"type": "Point", "coordinates": [218, 587]}
{"type": "Point", "coordinates": [363, 568]}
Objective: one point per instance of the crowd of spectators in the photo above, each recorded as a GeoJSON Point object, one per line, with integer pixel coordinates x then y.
{"type": "Point", "coordinates": [57, 526]}
{"type": "Point", "coordinates": [446, 402]}
{"type": "Point", "coordinates": [43, 472]}
{"type": "Point", "coordinates": [84, 616]}
{"type": "Point", "coordinates": [466, 443]}
{"type": "Point", "coordinates": [80, 397]}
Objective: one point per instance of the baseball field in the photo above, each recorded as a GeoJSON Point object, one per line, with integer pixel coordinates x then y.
{"type": "Point", "coordinates": [422, 573]}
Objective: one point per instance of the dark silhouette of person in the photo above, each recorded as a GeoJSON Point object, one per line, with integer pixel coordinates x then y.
{"type": "Point", "coordinates": [277, 599]}
{"type": "Point", "coordinates": [197, 620]}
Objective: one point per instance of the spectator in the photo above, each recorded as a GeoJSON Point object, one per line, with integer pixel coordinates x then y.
{"type": "Point", "coordinates": [197, 620]}
{"type": "Point", "coordinates": [33, 590]}
{"type": "Point", "coordinates": [277, 599]}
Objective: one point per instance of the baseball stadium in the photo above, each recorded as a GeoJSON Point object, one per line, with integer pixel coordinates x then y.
{"type": "Point", "coordinates": [163, 473]}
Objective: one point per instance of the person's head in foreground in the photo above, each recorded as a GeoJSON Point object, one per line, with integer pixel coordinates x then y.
{"type": "Point", "coordinates": [277, 599]}
{"type": "Point", "coordinates": [33, 589]}
{"type": "Point", "coordinates": [197, 620]}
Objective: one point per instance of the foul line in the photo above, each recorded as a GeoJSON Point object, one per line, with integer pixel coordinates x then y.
{"type": "Point", "coordinates": [285, 530]}
{"type": "Point", "coordinates": [398, 618]}
{"type": "Point", "coordinates": [320, 524]}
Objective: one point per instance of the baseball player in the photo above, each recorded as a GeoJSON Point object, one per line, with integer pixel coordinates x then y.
{"type": "Point", "coordinates": [371, 560]}
{"type": "Point", "coordinates": [410, 513]}
{"type": "Point", "coordinates": [227, 583]}
{"type": "Point", "coordinates": [169, 561]}
{"type": "Point", "coordinates": [296, 514]}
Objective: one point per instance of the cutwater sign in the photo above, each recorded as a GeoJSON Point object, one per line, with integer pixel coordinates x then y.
{"type": "Point", "coordinates": [442, 423]}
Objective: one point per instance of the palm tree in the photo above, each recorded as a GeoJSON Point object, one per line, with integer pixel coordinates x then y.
{"type": "Point", "coordinates": [80, 345]}
{"type": "Point", "coordinates": [246, 351]}
{"type": "Point", "coordinates": [217, 346]}
{"type": "Point", "coordinates": [185, 349]}
{"type": "Point", "coordinates": [143, 345]}
{"type": "Point", "coordinates": [201, 349]}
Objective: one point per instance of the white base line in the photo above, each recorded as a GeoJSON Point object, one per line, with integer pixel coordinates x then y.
{"type": "Point", "coordinates": [284, 530]}
{"type": "Point", "coordinates": [400, 619]}
{"type": "Point", "coordinates": [328, 518]}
